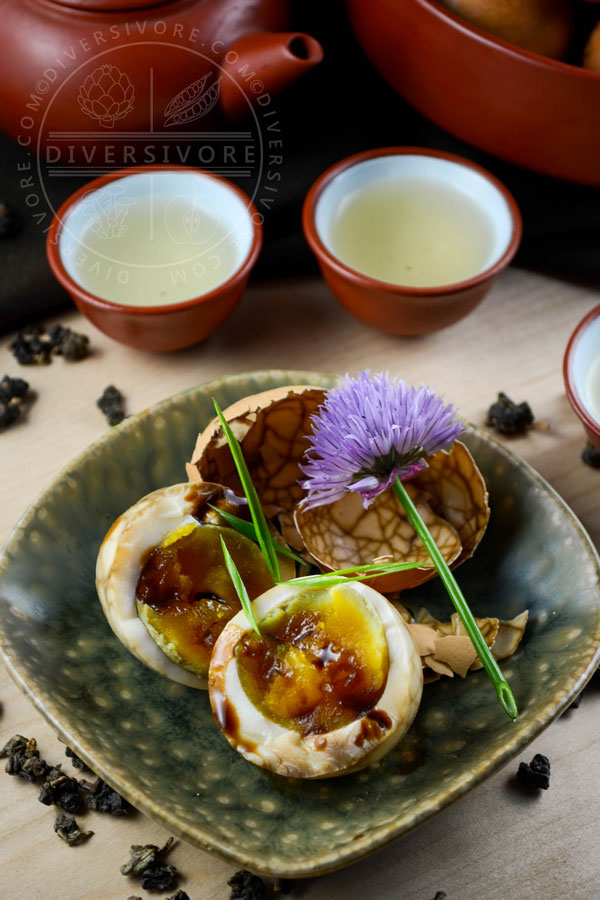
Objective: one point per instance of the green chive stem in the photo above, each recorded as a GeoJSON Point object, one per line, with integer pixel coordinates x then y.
{"type": "Point", "coordinates": [248, 530]}
{"type": "Point", "coordinates": [505, 695]}
{"type": "Point", "coordinates": [355, 573]}
{"type": "Point", "coordinates": [240, 587]}
{"type": "Point", "coordinates": [263, 534]}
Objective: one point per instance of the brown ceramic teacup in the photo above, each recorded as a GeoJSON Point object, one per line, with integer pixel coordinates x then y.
{"type": "Point", "coordinates": [391, 306]}
{"type": "Point", "coordinates": [156, 257]}
{"type": "Point", "coordinates": [581, 370]}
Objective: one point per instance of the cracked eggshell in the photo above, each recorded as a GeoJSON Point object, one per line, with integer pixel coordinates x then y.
{"type": "Point", "coordinates": [272, 428]}
{"type": "Point", "coordinates": [341, 751]}
{"type": "Point", "coordinates": [450, 495]}
{"type": "Point", "coordinates": [458, 494]}
{"type": "Point", "coordinates": [119, 564]}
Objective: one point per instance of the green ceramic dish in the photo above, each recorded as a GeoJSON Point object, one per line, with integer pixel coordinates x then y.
{"type": "Point", "coordinates": [155, 741]}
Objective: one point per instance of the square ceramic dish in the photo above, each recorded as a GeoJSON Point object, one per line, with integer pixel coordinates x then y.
{"type": "Point", "coordinates": [155, 741]}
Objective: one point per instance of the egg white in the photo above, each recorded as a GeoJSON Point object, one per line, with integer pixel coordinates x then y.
{"type": "Point", "coordinates": [119, 564]}
{"type": "Point", "coordinates": [268, 744]}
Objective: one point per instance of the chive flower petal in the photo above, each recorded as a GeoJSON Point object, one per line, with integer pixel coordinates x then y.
{"type": "Point", "coordinates": [370, 431]}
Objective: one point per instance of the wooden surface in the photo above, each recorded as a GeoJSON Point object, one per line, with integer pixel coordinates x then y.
{"type": "Point", "coordinates": [495, 843]}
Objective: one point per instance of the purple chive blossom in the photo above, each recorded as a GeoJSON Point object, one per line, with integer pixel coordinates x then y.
{"type": "Point", "coordinates": [370, 431]}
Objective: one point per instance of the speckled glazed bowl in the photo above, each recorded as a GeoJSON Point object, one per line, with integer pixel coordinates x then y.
{"type": "Point", "coordinates": [155, 740]}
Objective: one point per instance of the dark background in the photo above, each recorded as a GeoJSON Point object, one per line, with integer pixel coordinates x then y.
{"type": "Point", "coordinates": [343, 106]}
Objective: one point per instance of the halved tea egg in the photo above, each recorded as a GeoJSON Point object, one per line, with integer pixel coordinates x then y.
{"type": "Point", "coordinates": [162, 580]}
{"type": "Point", "coordinates": [329, 686]}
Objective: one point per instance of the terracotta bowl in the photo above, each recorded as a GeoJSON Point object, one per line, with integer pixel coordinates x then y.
{"type": "Point", "coordinates": [579, 371]}
{"type": "Point", "coordinates": [395, 308]}
{"type": "Point", "coordinates": [523, 107]}
{"type": "Point", "coordinates": [107, 203]}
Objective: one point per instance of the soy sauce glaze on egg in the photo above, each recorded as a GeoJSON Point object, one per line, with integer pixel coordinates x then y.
{"type": "Point", "coordinates": [162, 581]}
{"type": "Point", "coordinates": [330, 685]}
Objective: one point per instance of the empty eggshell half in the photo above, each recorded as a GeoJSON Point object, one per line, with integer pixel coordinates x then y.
{"type": "Point", "coordinates": [451, 497]}
{"type": "Point", "coordinates": [272, 428]}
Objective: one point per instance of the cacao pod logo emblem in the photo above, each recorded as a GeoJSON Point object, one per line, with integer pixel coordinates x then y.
{"type": "Point", "coordinates": [106, 95]}
{"type": "Point", "coordinates": [193, 102]}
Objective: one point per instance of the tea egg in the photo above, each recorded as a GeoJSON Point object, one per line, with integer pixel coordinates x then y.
{"type": "Point", "coordinates": [162, 580]}
{"type": "Point", "coordinates": [329, 686]}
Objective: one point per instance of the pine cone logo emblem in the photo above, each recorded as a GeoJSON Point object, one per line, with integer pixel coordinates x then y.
{"type": "Point", "coordinates": [106, 95]}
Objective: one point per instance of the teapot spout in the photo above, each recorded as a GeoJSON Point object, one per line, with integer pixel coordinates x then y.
{"type": "Point", "coordinates": [264, 64]}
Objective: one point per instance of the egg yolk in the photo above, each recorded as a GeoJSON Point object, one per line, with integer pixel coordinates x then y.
{"type": "Point", "coordinates": [320, 662]}
{"type": "Point", "coordinates": [185, 596]}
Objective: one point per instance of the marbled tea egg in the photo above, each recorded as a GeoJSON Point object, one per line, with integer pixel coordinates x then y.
{"type": "Point", "coordinates": [329, 686]}
{"type": "Point", "coordinates": [162, 580]}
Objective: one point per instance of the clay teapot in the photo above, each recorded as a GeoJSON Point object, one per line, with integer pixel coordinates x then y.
{"type": "Point", "coordinates": [137, 72]}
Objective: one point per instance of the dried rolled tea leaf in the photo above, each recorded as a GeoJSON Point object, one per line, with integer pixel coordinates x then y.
{"type": "Point", "coordinates": [76, 761]}
{"type": "Point", "coordinates": [536, 774]}
{"type": "Point", "coordinates": [576, 702]}
{"type": "Point", "coordinates": [158, 878]}
{"type": "Point", "coordinates": [9, 413]}
{"type": "Point", "coordinates": [17, 742]}
{"type": "Point", "coordinates": [180, 895]}
{"type": "Point", "coordinates": [56, 334]}
{"type": "Point", "coordinates": [36, 346]}
{"type": "Point", "coordinates": [61, 790]}
{"type": "Point", "coordinates": [12, 393]}
{"type": "Point", "coordinates": [67, 828]}
{"type": "Point", "coordinates": [69, 344]}
{"type": "Point", "coordinates": [12, 389]}
{"type": "Point", "coordinates": [74, 346]}
{"type": "Point", "coordinates": [246, 886]}
{"type": "Point", "coordinates": [111, 404]}
{"type": "Point", "coordinates": [507, 417]}
{"type": "Point", "coordinates": [101, 797]}
{"type": "Point", "coordinates": [142, 856]}
{"type": "Point", "coordinates": [24, 759]}
{"type": "Point", "coordinates": [591, 456]}
{"type": "Point", "coordinates": [29, 349]}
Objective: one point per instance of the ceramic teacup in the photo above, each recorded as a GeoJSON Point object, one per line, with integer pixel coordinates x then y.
{"type": "Point", "coordinates": [156, 257]}
{"type": "Point", "coordinates": [581, 370]}
{"type": "Point", "coordinates": [390, 306]}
